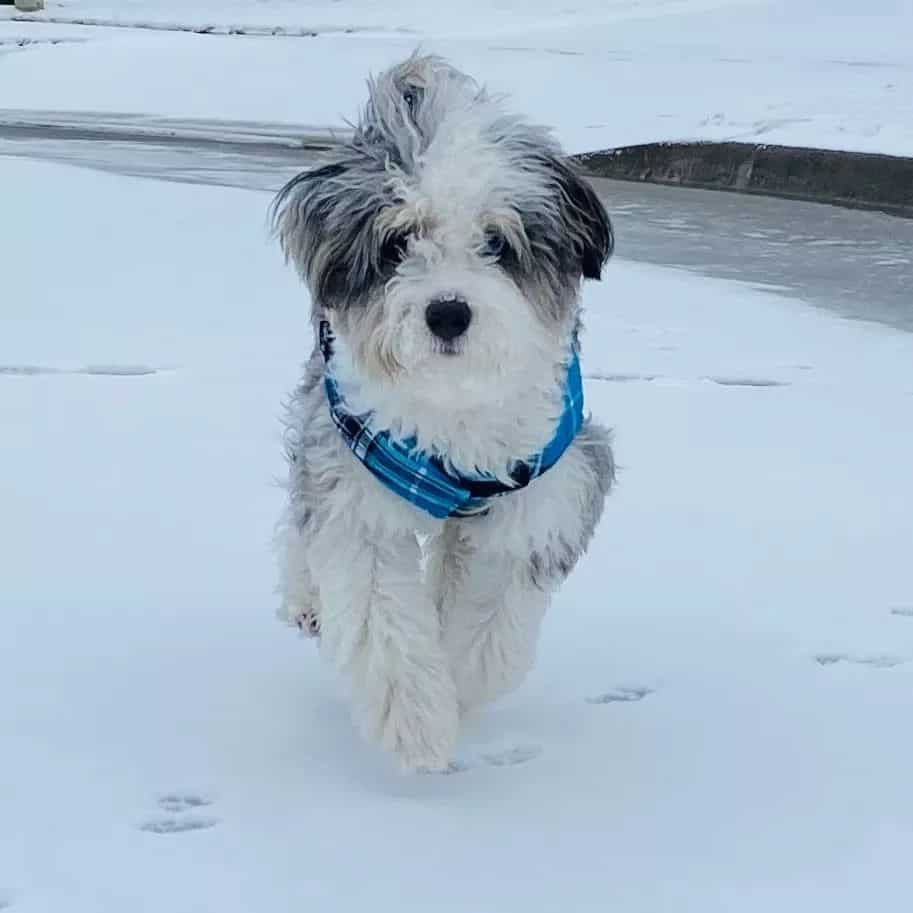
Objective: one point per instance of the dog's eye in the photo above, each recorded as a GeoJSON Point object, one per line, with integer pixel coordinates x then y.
{"type": "Point", "coordinates": [393, 251]}
{"type": "Point", "coordinates": [495, 245]}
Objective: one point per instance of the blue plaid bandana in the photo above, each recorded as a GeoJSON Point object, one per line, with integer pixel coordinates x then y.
{"type": "Point", "coordinates": [422, 478]}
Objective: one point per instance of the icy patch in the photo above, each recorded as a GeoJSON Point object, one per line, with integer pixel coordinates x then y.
{"type": "Point", "coordinates": [562, 52]}
{"type": "Point", "coordinates": [723, 381]}
{"type": "Point", "coordinates": [27, 370]}
{"type": "Point", "coordinates": [621, 378]}
{"type": "Point", "coordinates": [252, 30]}
{"type": "Point", "coordinates": [877, 661]}
{"type": "Point", "coordinates": [118, 370]}
{"type": "Point", "coordinates": [620, 695]}
{"type": "Point", "coordinates": [107, 370]}
{"type": "Point", "coordinates": [747, 382]}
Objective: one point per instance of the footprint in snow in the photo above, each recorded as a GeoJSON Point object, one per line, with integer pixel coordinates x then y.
{"type": "Point", "coordinates": [182, 802]}
{"type": "Point", "coordinates": [177, 825]}
{"type": "Point", "coordinates": [757, 382]}
{"type": "Point", "coordinates": [498, 757]}
{"type": "Point", "coordinates": [620, 695]}
{"type": "Point", "coordinates": [182, 814]}
{"type": "Point", "coordinates": [876, 661]}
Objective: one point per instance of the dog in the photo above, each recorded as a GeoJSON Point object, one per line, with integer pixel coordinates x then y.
{"type": "Point", "coordinates": [443, 480]}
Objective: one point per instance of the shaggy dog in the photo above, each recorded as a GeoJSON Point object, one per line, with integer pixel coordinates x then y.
{"type": "Point", "coordinates": [443, 480]}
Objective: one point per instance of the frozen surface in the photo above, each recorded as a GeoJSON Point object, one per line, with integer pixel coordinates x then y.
{"type": "Point", "coordinates": [472, 18]}
{"type": "Point", "coordinates": [836, 75]}
{"type": "Point", "coordinates": [859, 264]}
{"type": "Point", "coordinates": [719, 720]}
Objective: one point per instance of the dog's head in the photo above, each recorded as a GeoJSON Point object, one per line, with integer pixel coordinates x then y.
{"type": "Point", "coordinates": [447, 242]}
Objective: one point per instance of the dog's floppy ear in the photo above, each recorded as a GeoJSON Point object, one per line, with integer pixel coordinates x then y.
{"type": "Point", "coordinates": [324, 219]}
{"type": "Point", "coordinates": [300, 211]}
{"type": "Point", "coordinates": [586, 220]}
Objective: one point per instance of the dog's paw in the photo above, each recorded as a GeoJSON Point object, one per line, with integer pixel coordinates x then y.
{"type": "Point", "coordinates": [420, 744]}
{"type": "Point", "coordinates": [308, 622]}
{"type": "Point", "coordinates": [417, 726]}
{"type": "Point", "coordinates": [305, 619]}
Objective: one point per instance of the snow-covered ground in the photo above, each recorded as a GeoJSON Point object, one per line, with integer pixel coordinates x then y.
{"type": "Point", "coordinates": [719, 720]}
{"type": "Point", "coordinates": [720, 717]}
{"type": "Point", "coordinates": [604, 72]}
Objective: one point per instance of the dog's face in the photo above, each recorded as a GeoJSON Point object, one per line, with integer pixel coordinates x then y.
{"type": "Point", "coordinates": [448, 243]}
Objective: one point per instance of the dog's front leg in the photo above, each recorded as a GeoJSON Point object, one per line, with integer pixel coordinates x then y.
{"type": "Point", "coordinates": [300, 600]}
{"type": "Point", "coordinates": [498, 572]}
{"type": "Point", "coordinates": [381, 630]}
{"type": "Point", "coordinates": [492, 612]}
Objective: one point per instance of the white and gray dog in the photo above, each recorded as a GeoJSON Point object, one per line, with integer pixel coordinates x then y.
{"type": "Point", "coordinates": [443, 480]}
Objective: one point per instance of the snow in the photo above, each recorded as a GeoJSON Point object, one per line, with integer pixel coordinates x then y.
{"type": "Point", "coordinates": [719, 719]}
{"type": "Point", "coordinates": [475, 18]}
{"type": "Point", "coordinates": [605, 74]}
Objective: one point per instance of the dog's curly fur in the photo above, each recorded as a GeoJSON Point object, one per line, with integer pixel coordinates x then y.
{"type": "Point", "coordinates": [441, 193]}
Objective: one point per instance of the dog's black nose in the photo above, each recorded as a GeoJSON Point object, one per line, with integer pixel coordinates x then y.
{"type": "Point", "coordinates": [448, 317]}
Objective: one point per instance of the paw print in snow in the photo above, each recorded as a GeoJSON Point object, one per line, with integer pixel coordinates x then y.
{"type": "Point", "coordinates": [182, 814]}
{"type": "Point", "coordinates": [876, 661]}
{"type": "Point", "coordinates": [620, 695]}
